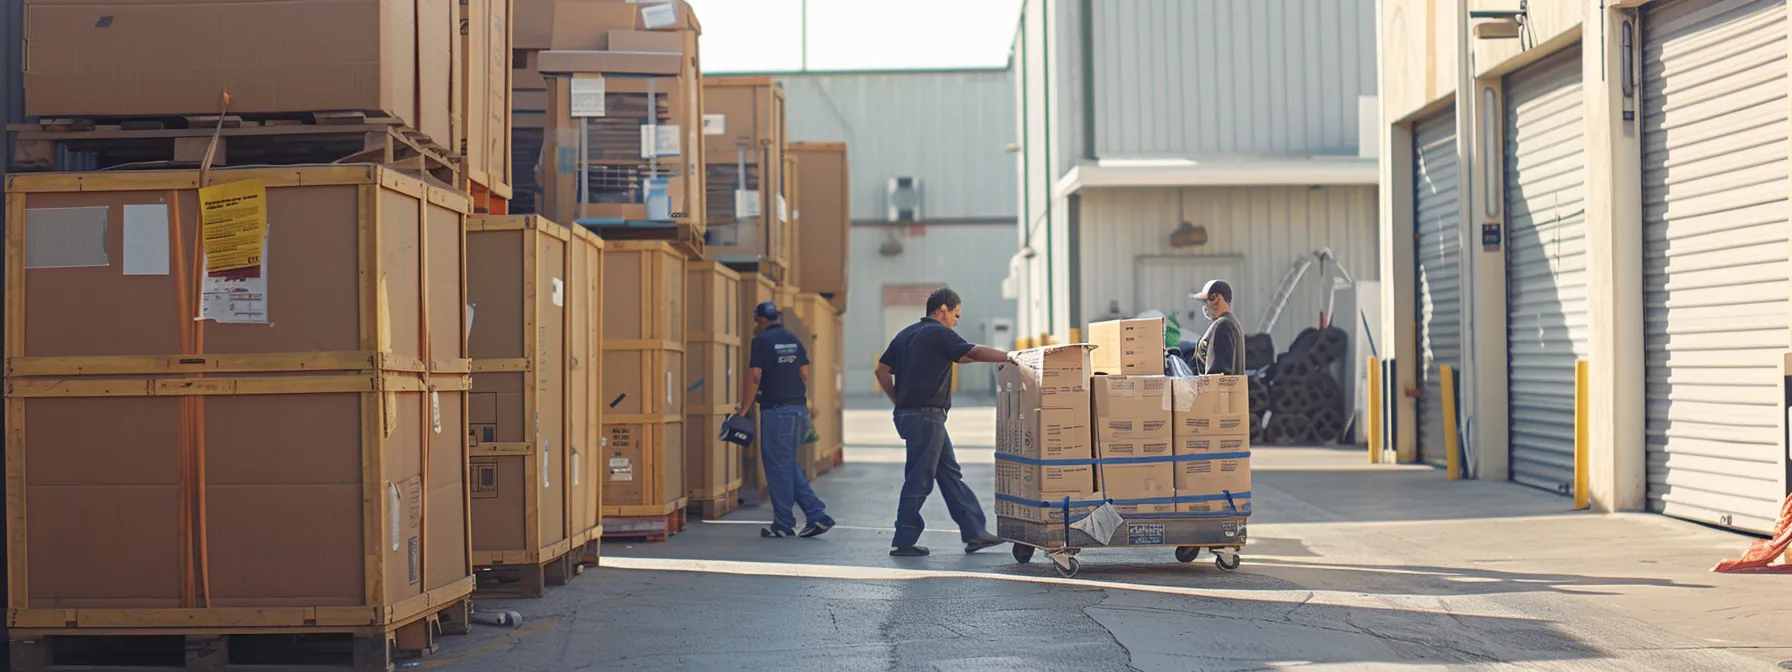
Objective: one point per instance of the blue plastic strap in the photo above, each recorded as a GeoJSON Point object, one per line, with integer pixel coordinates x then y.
{"type": "Point", "coordinates": [1119, 460]}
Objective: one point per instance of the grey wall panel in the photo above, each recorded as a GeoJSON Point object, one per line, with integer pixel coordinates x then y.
{"type": "Point", "coordinates": [1223, 77]}
{"type": "Point", "coordinates": [951, 129]}
{"type": "Point", "coordinates": [1715, 258]}
{"type": "Point", "coordinates": [1255, 234]}
{"type": "Point", "coordinates": [1437, 250]}
{"type": "Point", "coordinates": [1067, 87]}
{"type": "Point", "coordinates": [1546, 265]}
{"type": "Point", "coordinates": [960, 256]}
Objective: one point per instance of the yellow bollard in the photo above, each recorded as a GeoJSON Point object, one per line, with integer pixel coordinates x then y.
{"type": "Point", "coordinates": [1581, 477]}
{"type": "Point", "coordinates": [1375, 438]}
{"type": "Point", "coordinates": [1452, 444]}
{"type": "Point", "coordinates": [1076, 335]}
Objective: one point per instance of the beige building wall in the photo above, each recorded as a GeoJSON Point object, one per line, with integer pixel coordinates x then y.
{"type": "Point", "coordinates": [1418, 44]}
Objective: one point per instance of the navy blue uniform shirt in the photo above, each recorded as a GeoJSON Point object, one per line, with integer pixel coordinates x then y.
{"type": "Point", "coordinates": [780, 357]}
{"type": "Point", "coordinates": [922, 356]}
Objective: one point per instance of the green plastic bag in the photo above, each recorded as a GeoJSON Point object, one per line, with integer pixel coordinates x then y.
{"type": "Point", "coordinates": [1172, 331]}
{"type": "Point", "coordinates": [811, 437]}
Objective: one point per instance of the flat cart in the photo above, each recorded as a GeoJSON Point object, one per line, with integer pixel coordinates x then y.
{"type": "Point", "coordinates": [1189, 533]}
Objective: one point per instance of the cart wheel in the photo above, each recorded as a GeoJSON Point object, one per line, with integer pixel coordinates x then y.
{"type": "Point", "coordinates": [1187, 553]}
{"type": "Point", "coordinates": [1022, 553]}
{"type": "Point", "coordinates": [1220, 561]}
{"type": "Point", "coordinates": [1069, 568]}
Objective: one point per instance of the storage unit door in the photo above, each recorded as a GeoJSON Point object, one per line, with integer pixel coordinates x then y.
{"type": "Point", "coordinates": [1714, 258]}
{"type": "Point", "coordinates": [1437, 246]}
{"type": "Point", "coordinates": [1546, 266]}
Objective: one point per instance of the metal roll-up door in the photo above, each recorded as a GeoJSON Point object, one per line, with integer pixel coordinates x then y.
{"type": "Point", "coordinates": [1715, 261]}
{"type": "Point", "coordinates": [1546, 266]}
{"type": "Point", "coordinates": [1437, 248]}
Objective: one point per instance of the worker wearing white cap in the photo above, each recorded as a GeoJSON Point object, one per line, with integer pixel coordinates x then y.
{"type": "Point", "coordinates": [1221, 350]}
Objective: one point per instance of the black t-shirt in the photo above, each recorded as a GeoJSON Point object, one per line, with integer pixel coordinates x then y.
{"type": "Point", "coordinates": [780, 357]}
{"type": "Point", "coordinates": [921, 358]}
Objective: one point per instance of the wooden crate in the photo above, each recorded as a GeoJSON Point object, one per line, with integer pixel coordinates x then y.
{"type": "Point", "coordinates": [751, 110]}
{"type": "Point", "coordinates": [816, 325]}
{"type": "Point", "coordinates": [534, 418]}
{"type": "Point", "coordinates": [485, 76]}
{"type": "Point", "coordinates": [644, 394]}
{"type": "Point", "coordinates": [824, 201]}
{"type": "Point", "coordinates": [755, 288]}
{"type": "Point", "coordinates": [305, 475]}
{"type": "Point", "coordinates": [714, 347]}
{"type": "Point", "coordinates": [612, 170]}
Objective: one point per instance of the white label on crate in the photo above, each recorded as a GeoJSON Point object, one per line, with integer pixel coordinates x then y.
{"type": "Point", "coordinates": [669, 391]}
{"type": "Point", "coordinates": [621, 469]}
{"type": "Point", "coordinates": [783, 209]}
{"type": "Point", "coordinates": [559, 293]}
{"type": "Point", "coordinates": [659, 16]}
{"type": "Point", "coordinates": [746, 203]}
{"type": "Point", "coordinates": [587, 96]}
{"type": "Point", "coordinates": [435, 410]}
{"type": "Point", "coordinates": [547, 461]}
{"type": "Point", "coordinates": [470, 308]}
{"type": "Point", "coordinates": [659, 141]}
{"type": "Point", "coordinates": [715, 124]}
{"type": "Point", "coordinates": [575, 469]}
{"type": "Point", "coordinates": [397, 504]}
{"type": "Point", "coordinates": [146, 239]}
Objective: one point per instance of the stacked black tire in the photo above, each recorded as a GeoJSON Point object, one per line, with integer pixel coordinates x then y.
{"type": "Point", "coordinates": [1302, 393]}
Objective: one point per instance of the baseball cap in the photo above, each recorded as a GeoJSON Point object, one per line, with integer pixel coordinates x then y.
{"type": "Point", "coordinates": [766, 311]}
{"type": "Point", "coordinates": [1220, 287]}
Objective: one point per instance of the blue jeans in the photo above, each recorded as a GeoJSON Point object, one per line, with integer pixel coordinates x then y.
{"type": "Point", "coordinates": [780, 430]}
{"type": "Point", "coordinates": [930, 458]}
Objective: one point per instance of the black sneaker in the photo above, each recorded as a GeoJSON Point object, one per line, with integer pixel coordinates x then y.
{"type": "Point", "coordinates": [909, 551]}
{"type": "Point", "coordinates": [775, 532]}
{"type": "Point", "coordinates": [982, 542]}
{"type": "Point", "coordinates": [815, 529]}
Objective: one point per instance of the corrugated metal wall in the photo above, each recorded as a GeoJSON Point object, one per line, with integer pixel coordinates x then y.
{"type": "Point", "coordinates": [1224, 77]}
{"type": "Point", "coordinates": [1437, 247]}
{"type": "Point", "coordinates": [1259, 232]}
{"type": "Point", "coordinates": [959, 255]}
{"type": "Point", "coordinates": [1067, 86]}
{"type": "Point", "coordinates": [951, 129]}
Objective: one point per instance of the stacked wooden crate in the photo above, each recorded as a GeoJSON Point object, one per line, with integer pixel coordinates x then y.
{"type": "Point", "coordinates": [755, 288]}
{"type": "Point", "coordinates": [820, 325]}
{"type": "Point", "coordinates": [713, 379]}
{"type": "Point", "coordinates": [535, 421]}
{"type": "Point", "coordinates": [484, 62]}
{"type": "Point", "coordinates": [644, 396]}
{"type": "Point", "coordinates": [282, 452]}
{"type": "Point", "coordinates": [749, 209]}
{"type": "Point", "coordinates": [824, 201]}
{"type": "Point", "coordinates": [625, 112]}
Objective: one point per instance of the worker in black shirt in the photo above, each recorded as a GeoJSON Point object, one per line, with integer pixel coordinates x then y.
{"type": "Point", "coordinates": [915, 372]}
{"type": "Point", "coordinates": [777, 378]}
{"type": "Point", "coordinates": [1221, 350]}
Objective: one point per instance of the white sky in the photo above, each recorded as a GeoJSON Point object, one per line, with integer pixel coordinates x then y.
{"type": "Point", "coordinates": [767, 35]}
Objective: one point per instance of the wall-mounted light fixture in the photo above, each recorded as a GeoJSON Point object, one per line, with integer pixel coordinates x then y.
{"type": "Point", "coordinates": [1501, 24]}
{"type": "Point", "coordinates": [1627, 66]}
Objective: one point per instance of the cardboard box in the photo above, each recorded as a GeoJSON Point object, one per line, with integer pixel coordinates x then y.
{"type": "Point", "coordinates": [645, 40]}
{"type": "Point", "coordinates": [1128, 347]}
{"type": "Point", "coordinates": [1159, 447]}
{"type": "Point", "coordinates": [1211, 395]}
{"type": "Point", "coordinates": [1130, 408]}
{"type": "Point", "coordinates": [1033, 424]}
{"type": "Point", "coordinates": [1196, 426]}
{"type": "Point", "coordinates": [824, 203]}
{"type": "Point", "coordinates": [1236, 504]}
{"type": "Point", "coordinates": [1059, 371]}
{"type": "Point", "coordinates": [1047, 514]}
{"type": "Point", "coordinates": [611, 62]}
{"type": "Point", "coordinates": [302, 56]}
{"type": "Point", "coordinates": [1213, 476]}
{"type": "Point", "coordinates": [1046, 483]}
{"type": "Point", "coordinates": [1213, 445]}
{"type": "Point", "coordinates": [1138, 481]}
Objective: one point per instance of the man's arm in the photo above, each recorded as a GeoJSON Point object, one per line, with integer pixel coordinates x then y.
{"type": "Point", "coordinates": [985, 354]}
{"type": "Point", "coordinates": [1221, 352]}
{"type": "Point", "coordinates": [804, 372]}
{"type": "Point", "coordinates": [749, 388]}
{"type": "Point", "coordinates": [886, 381]}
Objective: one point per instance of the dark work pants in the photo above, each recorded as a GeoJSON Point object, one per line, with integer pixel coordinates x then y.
{"type": "Point", "coordinates": [930, 459]}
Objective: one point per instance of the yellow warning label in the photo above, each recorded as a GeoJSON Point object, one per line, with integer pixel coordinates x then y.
{"type": "Point", "coordinates": [233, 223]}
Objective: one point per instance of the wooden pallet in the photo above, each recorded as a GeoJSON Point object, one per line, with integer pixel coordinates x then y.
{"type": "Point", "coordinates": [713, 508]}
{"type": "Point", "coordinates": [531, 580]}
{"type": "Point", "coordinates": [653, 527]}
{"type": "Point", "coordinates": [55, 145]}
{"type": "Point", "coordinates": [592, 551]}
{"type": "Point", "coordinates": [686, 237]}
{"type": "Point", "coordinates": [211, 650]}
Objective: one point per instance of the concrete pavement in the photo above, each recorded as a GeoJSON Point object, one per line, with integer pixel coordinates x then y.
{"type": "Point", "coordinates": [1349, 567]}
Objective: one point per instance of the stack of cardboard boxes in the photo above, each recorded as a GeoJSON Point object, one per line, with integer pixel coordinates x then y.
{"type": "Point", "coordinates": [1078, 427]}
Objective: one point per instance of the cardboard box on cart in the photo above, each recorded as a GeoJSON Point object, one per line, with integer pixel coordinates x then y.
{"type": "Point", "coordinates": [1132, 420]}
{"type": "Point", "coordinates": [1211, 414]}
{"type": "Point", "coordinates": [1043, 414]}
{"type": "Point", "coordinates": [1128, 347]}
